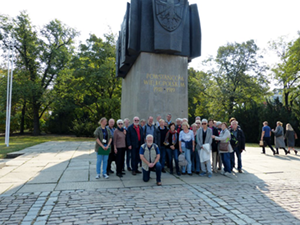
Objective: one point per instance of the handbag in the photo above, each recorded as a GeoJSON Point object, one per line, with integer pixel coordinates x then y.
{"type": "Point", "coordinates": [223, 147]}
{"type": "Point", "coordinates": [101, 151]}
{"type": "Point", "coordinates": [261, 143]}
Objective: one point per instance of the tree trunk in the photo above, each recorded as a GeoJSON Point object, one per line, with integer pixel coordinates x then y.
{"type": "Point", "coordinates": [23, 118]}
{"type": "Point", "coordinates": [36, 119]}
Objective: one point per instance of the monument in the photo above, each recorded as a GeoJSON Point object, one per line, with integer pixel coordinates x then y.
{"type": "Point", "coordinates": [158, 39]}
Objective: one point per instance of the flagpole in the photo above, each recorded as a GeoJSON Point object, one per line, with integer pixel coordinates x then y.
{"type": "Point", "coordinates": [9, 91]}
{"type": "Point", "coordinates": [8, 96]}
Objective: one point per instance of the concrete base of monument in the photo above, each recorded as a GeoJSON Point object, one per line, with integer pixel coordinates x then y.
{"type": "Point", "coordinates": [156, 85]}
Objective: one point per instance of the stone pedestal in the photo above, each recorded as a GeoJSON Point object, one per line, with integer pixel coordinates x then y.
{"type": "Point", "coordinates": [156, 85]}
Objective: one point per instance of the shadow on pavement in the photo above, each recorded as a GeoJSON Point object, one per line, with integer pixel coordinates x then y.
{"type": "Point", "coordinates": [61, 175]}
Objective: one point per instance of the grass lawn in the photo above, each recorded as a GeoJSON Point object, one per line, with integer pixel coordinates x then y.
{"type": "Point", "coordinates": [252, 144]}
{"type": "Point", "coordinates": [19, 142]}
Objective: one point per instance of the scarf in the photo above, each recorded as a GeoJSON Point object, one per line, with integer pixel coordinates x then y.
{"type": "Point", "coordinates": [174, 137]}
{"type": "Point", "coordinates": [121, 129]}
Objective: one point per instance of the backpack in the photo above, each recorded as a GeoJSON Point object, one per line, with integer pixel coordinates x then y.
{"type": "Point", "coordinates": [181, 160]}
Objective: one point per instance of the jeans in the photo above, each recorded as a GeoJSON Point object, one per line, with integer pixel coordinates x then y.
{"type": "Point", "coordinates": [162, 159]}
{"type": "Point", "coordinates": [226, 161]}
{"type": "Point", "coordinates": [208, 166]}
{"type": "Point", "coordinates": [238, 154]}
{"type": "Point", "coordinates": [187, 154]}
{"type": "Point", "coordinates": [146, 174]}
{"type": "Point", "coordinates": [120, 159]}
{"type": "Point", "coordinates": [128, 157]}
{"type": "Point", "coordinates": [111, 158]}
{"type": "Point", "coordinates": [195, 161]}
{"type": "Point", "coordinates": [135, 159]}
{"type": "Point", "coordinates": [101, 159]}
{"type": "Point", "coordinates": [267, 140]}
{"type": "Point", "coordinates": [173, 154]}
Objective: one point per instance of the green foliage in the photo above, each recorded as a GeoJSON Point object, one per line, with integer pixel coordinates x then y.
{"type": "Point", "coordinates": [83, 128]}
{"type": "Point", "coordinates": [239, 78]}
{"type": "Point", "coordinates": [89, 90]}
{"type": "Point", "coordinates": [41, 55]}
{"type": "Point", "coordinates": [287, 72]}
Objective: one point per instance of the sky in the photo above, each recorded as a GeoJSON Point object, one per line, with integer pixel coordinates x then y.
{"type": "Point", "coordinates": [222, 21]}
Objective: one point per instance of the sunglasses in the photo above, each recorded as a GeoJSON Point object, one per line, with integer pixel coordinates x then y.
{"type": "Point", "coordinates": [203, 123]}
{"type": "Point", "coordinates": [120, 123]}
{"type": "Point", "coordinates": [136, 120]}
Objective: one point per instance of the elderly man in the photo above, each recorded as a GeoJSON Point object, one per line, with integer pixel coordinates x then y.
{"type": "Point", "coordinates": [157, 121]}
{"type": "Point", "coordinates": [238, 144]}
{"type": "Point", "coordinates": [168, 120]}
{"type": "Point", "coordinates": [150, 155]}
{"type": "Point", "coordinates": [178, 125]}
{"type": "Point", "coordinates": [143, 122]}
{"type": "Point", "coordinates": [112, 155]}
{"type": "Point", "coordinates": [135, 139]}
{"type": "Point", "coordinates": [149, 127]}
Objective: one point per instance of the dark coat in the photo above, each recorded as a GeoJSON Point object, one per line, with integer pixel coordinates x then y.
{"type": "Point", "coordinates": [240, 138]}
{"type": "Point", "coordinates": [214, 144]}
{"type": "Point", "coordinates": [132, 137]}
{"type": "Point", "coordinates": [170, 141]}
{"type": "Point", "coordinates": [157, 137]}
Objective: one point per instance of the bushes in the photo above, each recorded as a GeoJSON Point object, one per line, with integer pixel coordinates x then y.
{"type": "Point", "coordinates": [83, 128]}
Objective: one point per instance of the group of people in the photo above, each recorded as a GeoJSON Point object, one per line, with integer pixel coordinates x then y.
{"type": "Point", "coordinates": [279, 138]}
{"type": "Point", "coordinates": [204, 148]}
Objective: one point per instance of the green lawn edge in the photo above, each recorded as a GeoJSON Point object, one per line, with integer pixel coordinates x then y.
{"type": "Point", "coordinates": [20, 142]}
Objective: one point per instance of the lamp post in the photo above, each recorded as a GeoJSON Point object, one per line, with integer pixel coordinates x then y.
{"type": "Point", "coordinates": [10, 68]}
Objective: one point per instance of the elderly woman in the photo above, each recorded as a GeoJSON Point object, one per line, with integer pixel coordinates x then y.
{"type": "Point", "coordinates": [103, 140]}
{"type": "Point", "coordinates": [225, 149]}
{"type": "Point", "coordinates": [171, 143]}
{"type": "Point", "coordinates": [279, 138]}
{"type": "Point", "coordinates": [120, 146]}
{"type": "Point", "coordinates": [290, 137]}
{"type": "Point", "coordinates": [186, 146]}
{"type": "Point", "coordinates": [204, 136]}
{"type": "Point", "coordinates": [195, 154]}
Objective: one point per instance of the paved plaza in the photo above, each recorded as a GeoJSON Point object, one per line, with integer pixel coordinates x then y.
{"type": "Point", "coordinates": [54, 183]}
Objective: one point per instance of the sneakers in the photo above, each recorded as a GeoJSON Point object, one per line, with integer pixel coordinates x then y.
{"type": "Point", "coordinates": [209, 175]}
{"type": "Point", "coordinates": [98, 176]}
{"type": "Point", "coordinates": [105, 176]}
{"type": "Point", "coordinates": [227, 174]}
{"type": "Point", "coordinates": [202, 174]}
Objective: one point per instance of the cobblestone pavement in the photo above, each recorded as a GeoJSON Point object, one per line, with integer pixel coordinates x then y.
{"type": "Point", "coordinates": [262, 195]}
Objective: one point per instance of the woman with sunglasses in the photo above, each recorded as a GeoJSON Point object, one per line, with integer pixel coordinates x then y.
{"type": "Point", "coordinates": [120, 147]}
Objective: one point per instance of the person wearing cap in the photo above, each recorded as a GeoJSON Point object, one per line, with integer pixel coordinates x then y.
{"type": "Point", "coordinates": [204, 136]}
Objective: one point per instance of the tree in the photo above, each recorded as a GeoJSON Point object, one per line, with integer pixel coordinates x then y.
{"type": "Point", "coordinates": [287, 71]}
{"type": "Point", "coordinates": [90, 89]}
{"type": "Point", "coordinates": [41, 55]}
{"type": "Point", "coordinates": [238, 76]}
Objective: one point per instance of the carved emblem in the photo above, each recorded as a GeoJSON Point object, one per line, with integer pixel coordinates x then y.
{"type": "Point", "coordinates": [170, 13]}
